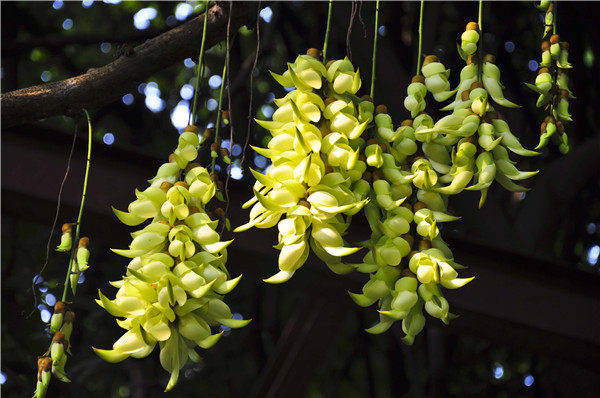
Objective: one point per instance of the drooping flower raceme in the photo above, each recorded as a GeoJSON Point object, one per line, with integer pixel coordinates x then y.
{"type": "Point", "coordinates": [171, 294]}
{"type": "Point", "coordinates": [314, 182]}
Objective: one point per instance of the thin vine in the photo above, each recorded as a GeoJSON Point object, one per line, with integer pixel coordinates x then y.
{"type": "Point", "coordinates": [327, 33]}
{"type": "Point", "coordinates": [420, 54]}
{"type": "Point", "coordinates": [375, 48]}
{"type": "Point", "coordinates": [200, 69]}
{"type": "Point", "coordinates": [85, 182]}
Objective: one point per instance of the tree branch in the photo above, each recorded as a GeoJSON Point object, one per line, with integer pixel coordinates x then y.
{"type": "Point", "coordinates": [103, 85]}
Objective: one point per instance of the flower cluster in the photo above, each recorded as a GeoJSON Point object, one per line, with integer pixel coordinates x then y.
{"type": "Point", "coordinates": [315, 183]}
{"type": "Point", "coordinates": [470, 146]}
{"type": "Point", "coordinates": [54, 360]}
{"type": "Point", "coordinates": [552, 84]}
{"type": "Point", "coordinates": [407, 260]}
{"type": "Point", "coordinates": [172, 292]}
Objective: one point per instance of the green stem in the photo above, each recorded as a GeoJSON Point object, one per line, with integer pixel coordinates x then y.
{"type": "Point", "coordinates": [554, 17]}
{"type": "Point", "coordinates": [218, 124]}
{"type": "Point", "coordinates": [327, 33]}
{"type": "Point", "coordinates": [420, 38]}
{"type": "Point", "coordinates": [77, 229]}
{"type": "Point", "coordinates": [375, 49]}
{"type": "Point", "coordinates": [480, 46]}
{"type": "Point", "coordinates": [200, 72]}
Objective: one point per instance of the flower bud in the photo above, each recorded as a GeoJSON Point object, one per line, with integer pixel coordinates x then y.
{"type": "Point", "coordinates": [66, 240]}
{"type": "Point", "coordinates": [57, 318]}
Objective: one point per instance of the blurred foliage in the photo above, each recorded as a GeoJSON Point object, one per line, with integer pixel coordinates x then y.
{"type": "Point", "coordinates": [356, 365]}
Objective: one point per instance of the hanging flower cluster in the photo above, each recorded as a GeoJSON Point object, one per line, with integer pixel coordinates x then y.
{"type": "Point", "coordinates": [61, 323]}
{"type": "Point", "coordinates": [407, 260]}
{"type": "Point", "coordinates": [552, 84]}
{"type": "Point", "coordinates": [315, 183]}
{"type": "Point", "coordinates": [172, 292]}
{"type": "Point", "coordinates": [470, 146]}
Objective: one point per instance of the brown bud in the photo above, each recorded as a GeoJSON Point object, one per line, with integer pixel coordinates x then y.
{"type": "Point", "coordinates": [366, 97]}
{"type": "Point", "coordinates": [304, 203]}
{"type": "Point", "coordinates": [418, 79]}
{"type": "Point", "coordinates": [473, 59]}
{"type": "Point", "coordinates": [44, 365]}
{"type": "Point", "coordinates": [194, 210]}
{"type": "Point", "coordinates": [410, 239]}
{"type": "Point", "coordinates": [84, 242]}
{"type": "Point", "coordinates": [164, 222]}
{"type": "Point", "coordinates": [564, 94]}
{"type": "Point", "coordinates": [383, 148]}
{"type": "Point", "coordinates": [214, 177]}
{"type": "Point", "coordinates": [407, 122]}
{"type": "Point", "coordinates": [60, 307]}
{"type": "Point", "coordinates": [464, 96]}
{"type": "Point", "coordinates": [560, 126]}
{"type": "Point", "coordinates": [564, 45]}
{"type": "Point", "coordinates": [207, 134]}
{"type": "Point", "coordinates": [220, 185]}
{"type": "Point", "coordinates": [424, 244]}
{"type": "Point", "coordinates": [325, 132]}
{"type": "Point", "coordinates": [67, 228]}
{"type": "Point", "coordinates": [329, 100]}
{"type": "Point", "coordinates": [214, 147]}
{"type": "Point", "coordinates": [554, 39]}
{"type": "Point", "coordinates": [372, 141]}
{"type": "Point", "coordinates": [191, 129]}
{"type": "Point", "coordinates": [165, 186]}
{"type": "Point", "coordinates": [429, 59]}
{"type": "Point", "coordinates": [545, 46]}
{"type": "Point", "coordinates": [328, 169]}
{"type": "Point", "coordinates": [220, 213]}
{"type": "Point", "coordinates": [543, 70]}
{"type": "Point", "coordinates": [417, 158]}
{"type": "Point", "coordinates": [172, 158]}
{"type": "Point", "coordinates": [549, 119]}
{"type": "Point", "coordinates": [489, 58]}
{"type": "Point", "coordinates": [329, 63]}
{"type": "Point", "coordinates": [407, 205]}
{"type": "Point", "coordinates": [381, 109]}
{"type": "Point", "coordinates": [543, 128]}
{"type": "Point", "coordinates": [475, 85]}
{"type": "Point", "coordinates": [59, 337]}
{"type": "Point", "coordinates": [192, 166]}
{"type": "Point", "coordinates": [182, 184]}
{"type": "Point", "coordinates": [418, 206]}
{"type": "Point", "coordinates": [472, 26]}
{"type": "Point", "coordinates": [225, 115]}
{"type": "Point", "coordinates": [362, 157]}
{"type": "Point", "coordinates": [224, 152]}
{"type": "Point", "coordinates": [314, 52]}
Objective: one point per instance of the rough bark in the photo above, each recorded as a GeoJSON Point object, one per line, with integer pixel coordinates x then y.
{"type": "Point", "coordinates": [103, 85]}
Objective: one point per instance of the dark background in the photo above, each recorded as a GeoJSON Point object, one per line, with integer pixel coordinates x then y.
{"type": "Point", "coordinates": [531, 311]}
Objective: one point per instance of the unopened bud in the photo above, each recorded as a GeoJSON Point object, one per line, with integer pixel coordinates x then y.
{"type": "Point", "coordinates": [381, 109]}
{"type": "Point", "coordinates": [472, 26]}
{"type": "Point", "coordinates": [418, 206]}
{"type": "Point", "coordinates": [424, 244]}
{"type": "Point", "coordinates": [191, 129]}
{"type": "Point", "coordinates": [418, 79]}
{"type": "Point", "coordinates": [165, 186]}
{"type": "Point", "coordinates": [314, 52]}
{"type": "Point", "coordinates": [429, 59]}
{"type": "Point", "coordinates": [182, 184]}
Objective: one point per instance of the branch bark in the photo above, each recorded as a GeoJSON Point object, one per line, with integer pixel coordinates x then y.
{"type": "Point", "coordinates": [108, 83]}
